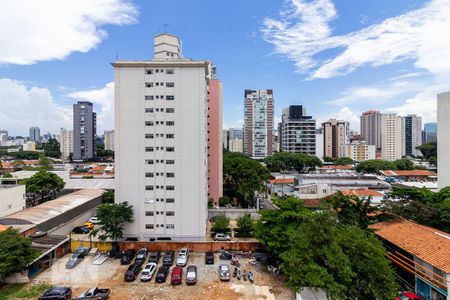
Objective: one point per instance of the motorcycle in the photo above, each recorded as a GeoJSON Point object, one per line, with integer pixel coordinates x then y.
{"type": "Point", "coordinates": [250, 276]}
{"type": "Point", "coordinates": [244, 275]}
{"type": "Point", "coordinates": [235, 271]}
{"type": "Point", "coordinates": [239, 274]}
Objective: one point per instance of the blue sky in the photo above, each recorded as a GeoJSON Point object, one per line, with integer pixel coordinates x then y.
{"type": "Point", "coordinates": [337, 58]}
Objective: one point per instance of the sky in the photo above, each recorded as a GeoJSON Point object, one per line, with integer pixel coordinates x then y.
{"type": "Point", "coordinates": [336, 58]}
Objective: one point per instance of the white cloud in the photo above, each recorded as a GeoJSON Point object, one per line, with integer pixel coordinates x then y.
{"type": "Point", "coordinates": [22, 107]}
{"type": "Point", "coordinates": [302, 32]}
{"type": "Point", "coordinates": [239, 123]}
{"type": "Point", "coordinates": [348, 115]}
{"type": "Point", "coordinates": [34, 31]}
{"type": "Point", "coordinates": [104, 97]}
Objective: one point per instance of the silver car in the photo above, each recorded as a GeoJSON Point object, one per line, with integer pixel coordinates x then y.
{"type": "Point", "coordinates": [148, 271]}
{"type": "Point", "coordinates": [224, 272]}
{"type": "Point", "coordinates": [222, 237]}
{"type": "Point", "coordinates": [183, 257]}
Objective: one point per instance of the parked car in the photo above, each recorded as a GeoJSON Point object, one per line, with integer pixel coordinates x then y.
{"type": "Point", "coordinates": [76, 258]}
{"type": "Point", "coordinates": [209, 258]}
{"type": "Point", "coordinates": [88, 225]}
{"type": "Point", "coordinates": [225, 255]}
{"type": "Point", "coordinates": [168, 258]}
{"type": "Point", "coordinates": [183, 257]}
{"type": "Point", "coordinates": [127, 257]}
{"type": "Point", "coordinates": [162, 273]}
{"type": "Point", "coordinates": [94, 220]}
{"type": "Point", "coordinates": [408, 296]}
{"type": "Point", "coordinates": [57, 293]}
{"type": "Point", "coordinates": [80, 230]}
{"type": "Point", "coordinates": [141, 256]}
{"type": "Point", "coordinates": [148, 271]}
{"type": "Point", "coordinates": [224, 272]}
{"type": "Point", "coordinates": [191, 275]}
{"type": "Point", "coordinates": [95, 294]}
{"type": "Point", "coordinates": [133, 270]}
{"type": "Point", "coordinates": [177, 275]}
{"type": "Point", "coordinates": [153, 257]}
{"type": "Point", "coordinates": [222, 237]}
{"type": "Point", "coordinates": [260, 255]}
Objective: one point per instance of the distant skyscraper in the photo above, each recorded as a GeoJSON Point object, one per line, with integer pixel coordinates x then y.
{"type": "Point", "coordinates": [371, 128]}
{"type": "Point", "coordinates": [391, 137]}
{"type": "Point", "coordinates": [258, 123]}
{"type": "Point", "coordinates": [225, 138]}
{"type": "Point", "coordinates": [319, 143]}
{"type": "Point", "coordinates": [235, 139]}
{"type": "Point", "coordinates": [35, 134]}
{"type": "Point", "coordinates": [84, 131]}
{"type": "Point", "coordinates": [235, 133]}
{"type": "Point", "coordinates": [430, 133]}
{"type": "Point", "coordinates": [109, 140]}
{"type": "Point", "coordinates": [65, 143]}
{"type": "Point", "coordinates": [335, 137]}
{"type": "Point", "coordinates": [4, 135]}
{"type": "Point", "coordinates": [298, 131]}
{"type": "Point", "coordinates": [443, 136]}
{"type": "Point", "coordinates": [411, 135]}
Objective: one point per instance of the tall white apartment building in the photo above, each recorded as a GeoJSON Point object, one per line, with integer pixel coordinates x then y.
{"type": "Point", "coordinates": [411, 135]}
{"type": "Point", "coordinates": [335, 137]}
{"type": "Point", "coordinates": [109, 140]}
{"type": "Point", "coordinates": [65, 143]}
{"type": "Point", "coordinates": [360, 151]}
{"type": "Point", "coordinates": [443, 137]}
{"type": "Point", "coordinates": [161, 142]}
{"type": "Point", "coordinates": [258, 123]}
{"type": "Point", "coordinates": [391, 137]}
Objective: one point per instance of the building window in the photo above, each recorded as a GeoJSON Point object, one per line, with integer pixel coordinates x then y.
{"type": "Point", "coordinates": [149, 161]}
{"type": "Point", "coordinates": [148, 97]}
{"type": "Point", "coordinates": [170, 188]}
{"type": "Point", "coordinates": [170, 162]}
{"type": "Point", "coordinates": [170, 110]}
{"type": "Point", "coordinates": [170, 71]}
{"type": "Point", "coordinates": [170, 149]}
{"type": "Point", "coordinates": [170, 200]}
{"type": "Point", "coordinates": [149, 187]}
{"type": "Point", "coordinates": [170, 97]}
{"type": "Point", "coordinates": [149, 84]}
{"type": "Point", "coordinates": [148, 149]}
{"type": "Point", "coordinates": [148, 136]}
{"type": "Point", "coordinates": [148, 110]}
{"type": "Point", "coordinates": [149, 213]}
{"type": "Point", "coordinates": [148, 226]}
{"type": "Point", "coordinates": [170, 226]}
{"type": "Point", "coordinates": [148, 123]}
{"type": "Point", "coordinates": [170, 213]}
{"type": "Point", "coordinates": [170, 84]}
{"type": "Point", "coordinates": [148, 71]}
{"type": "Point", "coordinates": [170, 123]}
{"type": "Point", "coordinates": [170, 174]}
{"type": "Point", "coordinates": [170, 136]}
{"type": "Point", "coordinates": [148, 174]}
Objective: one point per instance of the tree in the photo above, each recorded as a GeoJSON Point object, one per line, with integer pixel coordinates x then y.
{"type": "Point", "coordinates": [328, 159]}
{"type": "Point", "coordinates": [221, 224]}
{"type": "Point", "coordinates": [101, 152]}
{"type": "Point", "coordinates": [245, 224]}
{"type": "Point", "coordinates": [7, 175]}
{"type": "Point", "coordinates": [374, 166]}
{"type": "Point", "coordinates": [108, 197]}
{"type": "Point", "coordinates": [404, 164]}
{"type": "Point", "coordinates": [344, 161]}
{"type": "Point", "coordinates": [224, 200]}
{"type": "Point", "coordinates": [287, 161]}
{"type": "Point", "coordinates": [112, 218]}
{"type": "Point", "coordinates": [45, 163]}
{"type": "Point", "coordinates": [51, 148]}
{"type": "Point", "coordinates": [351, 210]}
{"type": "Point", "coordinates": [42, 183]}
{"type": "Point", "coordinates": [428, 150]}
{"type": "Point", "coordinates": [15, 252]}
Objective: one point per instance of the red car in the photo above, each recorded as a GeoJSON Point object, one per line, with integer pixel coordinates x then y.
{"type": "Point", "coordinates": [408, 296]}
{"type": "Point", "coordinates": [176, 276]}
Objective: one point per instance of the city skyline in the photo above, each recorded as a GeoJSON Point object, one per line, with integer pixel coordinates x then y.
{"type": "Point", "coordinates": [44, 84]}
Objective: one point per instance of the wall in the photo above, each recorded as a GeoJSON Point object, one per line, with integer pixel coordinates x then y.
{"type": "Point", "coordinates": [12, 199]}
{"type": "Point", "coordinates": [443, 155]}
{"type": "Point", "coordinates": [233, 213]}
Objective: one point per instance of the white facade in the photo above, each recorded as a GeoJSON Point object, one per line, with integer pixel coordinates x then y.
{"type": "Point", "coordinates": [360, 151]}
{"type": "Point", "coordinates": [29, 146]}
{"type": "Point", "coordinates": [66, 143]}
{"type": "Point", "coordinates": [319, 143]}
{"type": "Point", "coordinates": [411, 135]}
{"type": "Point", "coordinates": [336, 135]}
{"type": "Point", "coordinates": [443, 133]}
{"type": "Point", "coordinates": [236, 145]}
{"type": "Point", "coordinates": [109, 140]}
{"type": "Point", "coordinates": [391, 137]}
{"type": "Point", "coordinates": [161, 143]}
{"type": "Point", "coordinates": [12, 199]}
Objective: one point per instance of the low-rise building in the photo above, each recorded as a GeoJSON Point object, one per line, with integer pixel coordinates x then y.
{"type": "Point", "coordinates": [365, 194]}
{"type": "Point", "coordinates": [410, 175]}
{"type": "Point", "coordinates": [12, 199]}
{"type": "Point", "coordinates": [236, 145]}
{"type": "Point", "coordinates": [359, 151]}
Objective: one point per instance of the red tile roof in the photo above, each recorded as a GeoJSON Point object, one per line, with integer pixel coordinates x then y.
{"type": "Point", "coordinates": [337, 167]}
{"type": "Point", "coordinates": [407, 173]}
{"type": "Point", "coordinates": [282, 180]}
{"type": "Point", "coordinates": [362, 193]}
{"type": "Point", "coordinates": [427, 243]}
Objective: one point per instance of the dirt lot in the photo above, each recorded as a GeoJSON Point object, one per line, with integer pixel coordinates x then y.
{"type": "Point", "coordinates": [110, 275]}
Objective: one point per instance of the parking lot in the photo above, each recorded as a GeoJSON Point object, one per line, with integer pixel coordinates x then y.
{"type": "Point", "coordinates": [110, 275]}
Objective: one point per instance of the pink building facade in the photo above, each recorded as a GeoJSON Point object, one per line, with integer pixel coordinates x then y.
{"type": "Point", "coordinates": [215, 177]}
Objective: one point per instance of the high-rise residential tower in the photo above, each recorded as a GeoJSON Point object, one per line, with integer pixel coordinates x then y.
{"type": "Point", "coordinates": [35, 134]}
{"type": "Point", "coordinates": [108, 140]}
{"type": "Point", "coordinates": [298, 131]}
{"type": "Point", "coordinates": [161, 142]}
{"type": "Point", "coordinates": [258, 123]}
{"type": "Point", "coordinates": [443, 134]}
{"type": "Point", "coordinates": [65, 143]}
{"type": "Point", "coordinates": [84, 131]}
{"type": "Point", "coordinates": [371, 128]}
{"type": "Point", "coordinates": [335, 137]}
{"type": "Point", "coordinates": [411, 135]}
{"type": "Point", "coordinates": [430, 133]}
{"type": "Point", "coordinates": [391, 137]}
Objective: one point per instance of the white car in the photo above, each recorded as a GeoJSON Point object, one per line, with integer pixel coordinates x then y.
{"type": "Point", "coordinates": [183, 257]}
{"type": "Point", "coordinates": [93, 220]}
{"type": "Point", "coordinates": [148, 271]}
{"type": "Point", "coordinates": [222, 237]}
{"type": "Point", "coordinates": [224, 272]}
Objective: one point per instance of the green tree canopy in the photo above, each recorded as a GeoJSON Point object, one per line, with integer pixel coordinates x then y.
{"type": "Point", "coordinates": [245, 224]}
{"type": "Point", "coordinates": [108, 197]}
{"type": "Point", "coordinates": [286, 161]}
{"type": "Point", "coordinates": [43, 182]}
{"type": "Point", "coordinates": [15, 252]}
{"type": "Point", "coordinates": [428, 150]}
{"type": "Point", "coordinates": [374, 166]}
{"type": "Point", "coordinates": [45, 163]}
{"type": "Point", "coordinates": [351, 210]}
{"type": "Point", "coordinates": [51, 148]}
{"type": "Point", "coordinates": [7, 175]}
{"type": "Point", "coordinates": [221, 224]}
{"type": "Point", "coordinates": [404, 164]}
{"type": "Point", "coordinates": [344, 161]}
{"type": "Point", "coordinates": [328, 159]}
{"type": "Point", "coordinates": [112, 217]}
{"type": "Point", "coordinates": [101, 152]}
